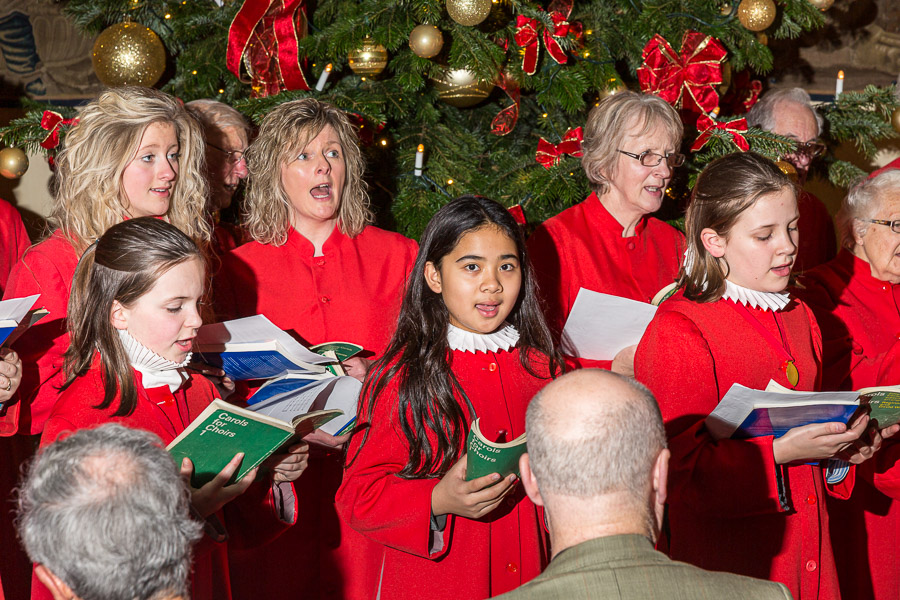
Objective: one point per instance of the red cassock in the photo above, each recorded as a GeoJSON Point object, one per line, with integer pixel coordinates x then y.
{"type": "Point", "coordinates": [226, 237]}
{"type": "Point", "coordinates": [251, 519]}
{"type": "Point", "coordinates": [583, 247]}
{"type": "Point", "coordinates": [13, 240]}
{"type": "Point", "coordinates": [860, 322]}
{"type": "Point", "coordinates": [724, 508]}
{"type": "Point", "coordinates": [478, 558]}
{"type": "Point", "coordinates": [818, 243]}
{"type": "Point", "coordinates": [46, 269]}
{"type": "Point", "coordinates": [352, 293]}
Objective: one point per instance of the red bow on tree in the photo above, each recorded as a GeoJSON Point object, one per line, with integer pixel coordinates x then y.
{"type": "Point", "coordinates": [264, 35]}
{"type": "Point", "coordinates": [506, 119]}
{"type": "Point", "coordinates": [527, 35]}
{"type": "Point", "coordinates": [686, 80]}
{"type": "Point", "coordinates": [51, 121]}
{"type": "Point", "coordinates": [706, 125]}
{"type": "Point", "coordinates": [518, 214]}
{"type": "Point", "coordinates": [753, 91]}
{"type": "Point", "coordinates": [549, 155]}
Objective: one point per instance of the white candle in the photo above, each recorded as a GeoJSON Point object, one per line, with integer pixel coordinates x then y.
{"type": "Point", "coordinates": [420, 160]}
{"type": "Point", "coordinates": [323, 78]}
{"type": "Point", "coordinates": [839, 85]}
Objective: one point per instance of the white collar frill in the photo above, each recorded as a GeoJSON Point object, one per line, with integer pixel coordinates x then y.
{"type": "Point", "coordinates": [155, 370]}
{"type": "Point", "coordinates": [773, 301]}
{"type": "Point", "coordinates": [504, 338]}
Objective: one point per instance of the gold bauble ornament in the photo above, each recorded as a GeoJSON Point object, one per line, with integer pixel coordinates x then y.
{"type": "Point", "coordinates": [788, 169]}
{"type": "Point", "coordinates": [762, 38]}
{"type": "Point", "coordinates": [756, 15]}
{"type": "Point", "coordinates": [469, 12]}
{"type": "Point", "coordinates": [725, 9]}
{"type": "Point", "coordinates": [822, 5]}
{"type": "Point", "coordinates": [13, 163]}
{"type": "Point", "coordinates": [369, 59]}
{"type": "Point", "coordinates": [895, 120]}
{"type": "Point", "coordinates": [460, 88]}
{"type": "Point", "coordinates": [426, 41]}
{"type": "Point", "coordinates": [128, 54]}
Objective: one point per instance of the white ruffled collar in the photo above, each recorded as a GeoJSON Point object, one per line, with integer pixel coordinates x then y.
{"type": "Point", "coordinates": [155, 370]}
{"type": "Point", "coordinates": [763, 300]}
{"type": "Point", "coordinates": [504, 338]}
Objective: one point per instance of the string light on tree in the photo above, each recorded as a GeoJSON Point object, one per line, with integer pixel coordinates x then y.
{"type": "Point", "coordinates": [13, 163]}
{"type": "Point", "coordinates": [128, 54]}
{"type": "Point", "coordinates": [420, 160]}
{"type": "Point", "coordinates": [323, 78]}
{"type": "Point", "coordinates": [369, 59]}
{"type": "Point", "coordinates": [756, 15]}
{"type": "Point", "coordinates": [426, 41]}
{"type": "Point", "coordinates": [469, 12]}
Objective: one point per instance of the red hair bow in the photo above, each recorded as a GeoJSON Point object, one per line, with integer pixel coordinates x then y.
{"type": "Point", "coordinates": [706, 125]}
{"type": "Point", "coordinates": [686, 79]}
{"type": "Point", "coordinates": [51, 121]}
{"type": "Point", "coordinates": [549, 154]}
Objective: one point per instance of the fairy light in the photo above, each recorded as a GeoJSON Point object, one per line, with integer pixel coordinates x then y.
{"type": "Point", "coordinates": [420, 160]}
{"type": "Point", "coordinates": [323, 78]}
{"type": "Point", "coordinates": [449, 182]}
{"type": "Point", "coordinates": [839, 85]}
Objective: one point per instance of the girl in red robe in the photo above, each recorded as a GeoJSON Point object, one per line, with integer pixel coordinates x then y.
{"type": "Point", "coordinates": [754, 507]}
{"type": "Point", "coordinates": [471, 343]}
{"type": "Point", "coordinates": [134, 311]}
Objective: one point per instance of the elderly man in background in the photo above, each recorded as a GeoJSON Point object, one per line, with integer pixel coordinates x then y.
{"type": "Point", "coordinates": [598, 464]}
{"type": "Point", "coordinates": [227, 136]}
{"type": "Point", "coordinates": [789, 112]}
{"type": "Point", "coordinates": [105, 514]}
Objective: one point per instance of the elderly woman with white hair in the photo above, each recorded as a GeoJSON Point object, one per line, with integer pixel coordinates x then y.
{"type": "Point", "coordinates": [856, 300]}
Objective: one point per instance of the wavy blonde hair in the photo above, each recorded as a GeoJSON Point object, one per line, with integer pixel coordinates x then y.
{"type": "Point", "coordinates": [284, 132]}
{"type": "Point", "coordinates": [89, 195]}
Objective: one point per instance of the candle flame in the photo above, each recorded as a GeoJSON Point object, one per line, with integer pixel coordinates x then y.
{"type": "Point", "coordinates": [421, 148]}
{"type": "Point", "coordinates": [328, 67]}
{"type": "Point", "coordinates": [840, 74]}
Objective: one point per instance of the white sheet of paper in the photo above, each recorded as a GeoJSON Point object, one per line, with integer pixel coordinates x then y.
{"type": "Point", "coordinates": [254, 329]}
{"type": "Point", "coordinates": [600, 325]}
{"type": "Point", "coordinates": [15, 309]}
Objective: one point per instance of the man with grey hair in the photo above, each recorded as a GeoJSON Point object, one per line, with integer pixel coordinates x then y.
{"type": "Point", "coordinates": [789, 112]}
{"type": "Point", "coordinates": [598, 464]}
{"type": "Point", "coordinates": [104, 515]}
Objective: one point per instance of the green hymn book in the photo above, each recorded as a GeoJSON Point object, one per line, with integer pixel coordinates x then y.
{"type": "Point", "coordinates": [486, 457]}
{"type": "Point", "coordinates": [222, 430]}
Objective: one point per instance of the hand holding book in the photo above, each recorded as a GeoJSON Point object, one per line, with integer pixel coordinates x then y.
{"type": "Point", "coordinates": [216, 493]}
{"type": "Point", "coordinates": [471, 499]}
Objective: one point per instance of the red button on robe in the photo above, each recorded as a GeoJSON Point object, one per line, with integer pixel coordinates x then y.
{"type": "Point", "coordinates": [724, 509]}
{"type": "Point", "coordinates": [860, 320]}
{"type": "Point", "coordinates": [251, 519]}
{"type": "Point", "coordinates": [479, 558]}
{"type": "Point", "coordinates": [352, 293]}
{"type": "Point", "coordinates": [583, 247]}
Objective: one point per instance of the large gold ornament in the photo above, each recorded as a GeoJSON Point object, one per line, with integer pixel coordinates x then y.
{"type": "Point", "coordinates": [426, 41]}
{"type": "Point", "coordinates": [756, 15]}
{"type": "Point", "coordinates": [128, 54]}
{"type": "Point", "coordinates": [469, 12]}
{"type": "Point", "coordinates": [13, 163]}
{"type": "Point", "coordinates": [460, 88]}
{"type": "Point", "coordinates": [822, 5]}
{"type": "Point", "coordinates": [788, 169]}
{"type": "Point", "coordinates": [895, 120]}
{"type": "Point", "coordinates": [369, 59]}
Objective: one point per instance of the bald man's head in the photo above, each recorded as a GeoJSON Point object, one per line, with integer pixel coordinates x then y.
{"type": "Point", "coordinates": [593, 432]}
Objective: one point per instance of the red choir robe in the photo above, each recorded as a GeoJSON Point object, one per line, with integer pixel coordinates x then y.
{"type": "Point", "coordinates": [583, 247]}
{"type": "Point", "coordinates": [860, 320]}
{"type": "Point", "coordinates": [817, 242]}
{"type": "Point", "coordinates": [252, 519]}
{"type": "Point", "coordinates": [46, 269]}
{"type": "Point", "coordinates": [352, 293]}
{"type": "Point", "coordinates": [478, 558]}
{"type": "Point", "coordinates": [724, 508]}
{"type": "Point", "coordinates": [13, 240]}
{"type": "Point", "coordinates": [226, 237]}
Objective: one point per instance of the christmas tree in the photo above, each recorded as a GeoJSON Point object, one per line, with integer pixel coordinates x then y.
{"type": "Point", "coordinates": [491, 92]}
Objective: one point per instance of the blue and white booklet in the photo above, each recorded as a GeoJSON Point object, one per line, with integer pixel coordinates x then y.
{"type": "Point", "coordinates": [296, 393]}
{"type": "Point", "coordinates": [254, 348]}
{"type": "Point", "coordinates": [16, 316]}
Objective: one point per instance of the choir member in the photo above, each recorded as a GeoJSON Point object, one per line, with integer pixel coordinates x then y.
{"type": "Point", "coordinates": [609, 243]}
{"type": "Point", "coordinates": [318, 269]}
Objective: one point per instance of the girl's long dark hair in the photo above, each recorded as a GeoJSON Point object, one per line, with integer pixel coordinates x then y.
{"type": "Point", "coordinates": [124, 264]}
{"type": "Point", "coordinates": [419, 353]}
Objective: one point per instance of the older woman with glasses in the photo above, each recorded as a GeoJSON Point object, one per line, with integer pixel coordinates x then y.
{"type": "Point", "coordinates": [609, 243]}
{"type": "Point", "coordinates": [856, 300]}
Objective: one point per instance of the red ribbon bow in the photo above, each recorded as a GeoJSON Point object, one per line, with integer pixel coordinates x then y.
{"type": "Point", "coordinates": [706, 125]}
{"type": "Point", "coordinates": [506, 119]}
{"type": "Point", "coordinates": [527, 35]}
{"type": "Point", "coordinates": [687, 79]}
{"type": "Point", "coordinates": [51, 121]}
{"type": "Point", "coordinates": [264, 35]}
{"type": "Point", "coordinates": [549, 154]}
{"type": "Point", "coordinates": [753, 92]}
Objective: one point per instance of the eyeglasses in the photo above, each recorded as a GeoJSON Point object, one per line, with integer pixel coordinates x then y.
{"type": "Point", "coordinates": [811, 149]}
{"type": "Point", "coordinates": [652, 159]}
{"type": "Point", "coordinates": [232, 156]}
{"type": "Point", "coordinates": [894, 225]}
